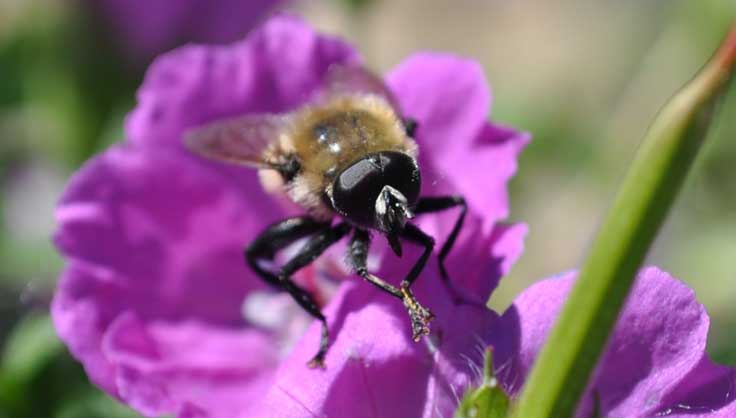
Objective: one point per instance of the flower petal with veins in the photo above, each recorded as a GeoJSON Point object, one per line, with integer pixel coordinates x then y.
{"type": "Point", "coordinates": [655, 363]}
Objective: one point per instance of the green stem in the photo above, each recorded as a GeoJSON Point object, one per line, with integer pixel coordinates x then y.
{"type": "Point", "coordinates": [567, 361]}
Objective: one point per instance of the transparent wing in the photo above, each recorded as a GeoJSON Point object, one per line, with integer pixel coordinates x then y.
{"type": "Point", "coordinates": [346, 80]}
{"type": "Point", "coordinates": [240, 140]}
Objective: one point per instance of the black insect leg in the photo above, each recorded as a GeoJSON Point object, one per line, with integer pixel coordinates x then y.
{"type": "Point", "coordinates": [316, 245]}
{"type": "Point", "coordinates": [358, 258]}
{"type": "Point", "coordinates": [419, 315]}
{"type": "Point", "coordinates": [438, 204]}
{"type": "Point", "coordinates": [414, 234]}
{"type": "Point", "coordinates": [277, 237]}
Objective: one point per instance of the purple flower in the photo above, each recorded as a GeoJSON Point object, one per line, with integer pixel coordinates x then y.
{"type": "Point", "coordinates": [145, 29]}
{"type": "Point", "coordinates": [655, 364]}
{"type": "Point", "coordinates": [151, 301]}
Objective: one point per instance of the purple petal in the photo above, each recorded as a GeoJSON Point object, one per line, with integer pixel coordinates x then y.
{"type": "Point", "coordinates": [146, 28]}
{"type": "Point", "coordinates": [372, 351]}
{"type": "Point", "coordinates": [709, 390]}
{"type": "Point", "coordinates": [166, 229]}
{"type": "Point", "coordinates": [373, 366]}
{"type": "Point", "coordinates": [157, 366]}
{"type": "Point", "coordinates": [476, 263]}
{"type": "Point", "coordinates": [465, 332]}
{"type": "Point", "coordinates": [195, 85]}
{"type": "Point", "coordinates": [447, 95]}
{"type": "Point", "coordinates": [163, 367]}
{"type": "Point", "coordinates": [374, 369]}
{"type": "Point", "coordinates": [159, 239]}
{"type": "Point", "coordinates": [460, 151]}
{"type": "Point", "coordinates": [276, 69]}
{"type": "Point", "coordinates": [82, 309]}
{"type": "Point", "coordinates": [656, 353]}
{"type": "Point", "coordinates": [480, 261]}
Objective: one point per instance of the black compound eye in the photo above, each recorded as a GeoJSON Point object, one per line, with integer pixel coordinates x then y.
{"type": "Point", "coordinates": [356, 188]}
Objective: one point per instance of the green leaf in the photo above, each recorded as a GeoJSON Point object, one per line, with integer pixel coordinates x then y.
{"type": "Point", "coordinates": [561, 373]}
{"type": "Point", "coordinates": [487, 401]}
{"type": "Point", "coordinates": [93, 404]}
{"type": "Point", "coordinates": [10, 92]}
{"type": "Point", "coordinates": [31, 345]}
{"type": "Point", "coordinates": [30, 349]}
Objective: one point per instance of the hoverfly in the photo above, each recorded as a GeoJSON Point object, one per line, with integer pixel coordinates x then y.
{"type": "Point", "coordinates": [347, 156]}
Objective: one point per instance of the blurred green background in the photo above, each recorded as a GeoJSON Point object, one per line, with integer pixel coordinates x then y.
{"type": "Point", "coordinates": [585, 77]}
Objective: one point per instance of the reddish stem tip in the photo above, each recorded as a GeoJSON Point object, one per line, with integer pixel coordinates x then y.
{"type": "Point", "coordinates": [726, 55]}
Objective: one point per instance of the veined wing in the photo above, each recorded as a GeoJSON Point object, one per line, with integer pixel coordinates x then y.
{"type": "Point", "coordinates": [344, 80]}
{"type": "Point", "coordinates": [241, 140]}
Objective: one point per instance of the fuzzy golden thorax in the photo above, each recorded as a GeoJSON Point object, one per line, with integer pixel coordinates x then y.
{"type": "Point", "coordinates": [327, 138]}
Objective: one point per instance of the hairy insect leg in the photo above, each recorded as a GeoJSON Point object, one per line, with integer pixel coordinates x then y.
{"type": "Point", "coordinates": [419, 315]}
{"type": "Point", "coordinates": [438, 204]}
{"type": "Point", "coordinates": [323, 237]}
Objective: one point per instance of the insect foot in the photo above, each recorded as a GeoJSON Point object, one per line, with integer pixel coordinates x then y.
{"type": "Point", "coordinates": [318, 362]}
{"type": "Point", "coordinates": [420, 316]}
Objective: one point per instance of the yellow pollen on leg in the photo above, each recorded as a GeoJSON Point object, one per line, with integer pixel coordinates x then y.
{"type": "Point", "coordinates": [408, 298]}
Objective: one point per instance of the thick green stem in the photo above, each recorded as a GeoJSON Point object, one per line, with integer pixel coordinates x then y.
{"type": "Point", "coordinates": [567, 361]}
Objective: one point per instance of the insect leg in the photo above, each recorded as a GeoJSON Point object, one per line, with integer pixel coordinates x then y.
{"type": "Point", "coordinates": [414, 234]}
{"type": "Point", "coordinates": [275, 238]}
{"type": "Point", "coordinates": [358, 258]}
{"type": "Point", "coordinates": [437, 204]}
{"type": "Point", "coordinates": [315, 246]}
{"type": "Point", "coordinates": [280, 235]}
{"type": "Point", "coordinates": [420, 316]}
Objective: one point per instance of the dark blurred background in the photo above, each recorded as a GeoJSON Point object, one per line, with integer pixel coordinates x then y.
{"type": "Point", "coordinates": [585, 77]}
